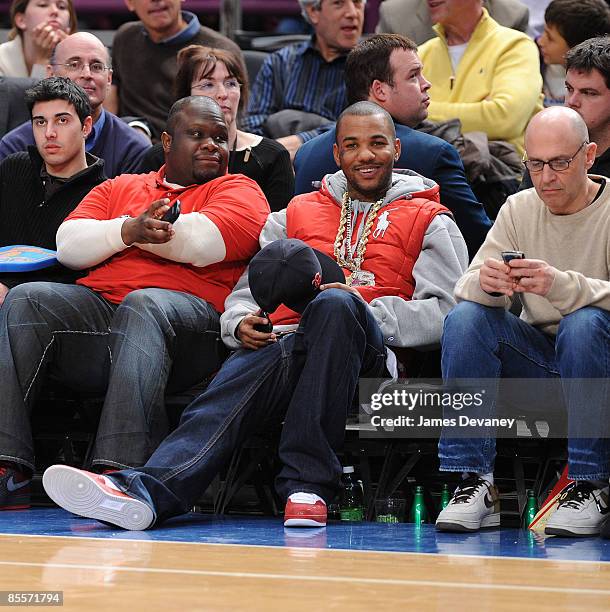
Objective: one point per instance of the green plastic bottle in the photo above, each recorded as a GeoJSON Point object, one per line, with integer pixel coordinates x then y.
{"type": "Point", "coordinates": [530, 509]}
{"type": "Point", "coordinates": [351, 503]}
{"type": "Point", "coordinates": [445, 497]}
{"type": "Point", "coordinates": [418, 514]}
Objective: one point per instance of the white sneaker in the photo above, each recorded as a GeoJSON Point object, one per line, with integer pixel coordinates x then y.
{"type": "Point", "coordinates": [95, 496]}
{"type": "Point", "coordinates": [475, 504]}
{"type": "Point", "coordinates": [581, 511]}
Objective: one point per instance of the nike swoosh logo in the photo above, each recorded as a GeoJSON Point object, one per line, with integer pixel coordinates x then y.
{"type": "Point", "coordinates": [488, 501]}
{"type": "Point", "coordinates": [11, 485]}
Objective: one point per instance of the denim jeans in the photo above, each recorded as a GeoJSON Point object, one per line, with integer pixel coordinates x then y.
{"type": "Point", "coordinates": [307, 379]}
{"type": "Point", "coordinates": [483, 342]}
{"type": "Point", "coordinates": [73, 335]}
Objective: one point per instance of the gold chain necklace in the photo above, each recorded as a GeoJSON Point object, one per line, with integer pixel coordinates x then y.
{"type": "Point", "coordinates": [344, 236]}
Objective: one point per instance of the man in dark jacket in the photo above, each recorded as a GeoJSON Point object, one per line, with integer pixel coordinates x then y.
{"type": "Point", "coordinates": [41, 187]}
{"type": "Point", "coordinates": [385, 69]}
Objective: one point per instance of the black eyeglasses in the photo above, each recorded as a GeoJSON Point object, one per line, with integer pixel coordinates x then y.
{"type": "Point", "coordinates": [78, 66]}
{"type": "Point", "coordinates": [559, 165]}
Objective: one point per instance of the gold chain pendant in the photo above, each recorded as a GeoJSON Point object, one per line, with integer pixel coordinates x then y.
{"type": "Point", "coordinates": [361, 278]}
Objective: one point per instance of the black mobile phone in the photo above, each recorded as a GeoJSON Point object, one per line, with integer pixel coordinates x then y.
{"type": "Point", "coordinates": [173, 213]}
{"type": "Point", "coordinates": [266, 328]}
{"type": "Point", "coordinates": [508, 255]}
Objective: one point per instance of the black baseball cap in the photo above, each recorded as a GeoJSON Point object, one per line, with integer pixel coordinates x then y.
{"type": "Point", "coordinates": [290, 272]}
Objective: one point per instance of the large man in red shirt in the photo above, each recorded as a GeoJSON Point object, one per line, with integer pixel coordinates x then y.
{"type": "Point", "coordinates": [147, 313]}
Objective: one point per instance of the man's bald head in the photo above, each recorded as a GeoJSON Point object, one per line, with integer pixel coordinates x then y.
{"type": "Point", "coordinates": [83, 58]}
{"type": "Point", "coordinates": [365, 109]}
{"type": "Point", "coordinates": [201, 105]}
{"type": "Point", "coordinates": [559, 156]}
{"type": "Point", "coordinates": [557, 120]}
{"type": "Point", "coordinates": [65, 48]}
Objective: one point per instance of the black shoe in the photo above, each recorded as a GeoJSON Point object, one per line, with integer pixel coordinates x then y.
{"type": "Point", "coordinates": [14, 489]}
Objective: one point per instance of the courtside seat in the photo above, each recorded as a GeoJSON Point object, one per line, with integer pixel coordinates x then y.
{"type": "Point", "coordinates": [13, 110]}
{"type": "Point", "coordinates": [254, 60]}
{"type": "Point", "coordinates": [65, 421]}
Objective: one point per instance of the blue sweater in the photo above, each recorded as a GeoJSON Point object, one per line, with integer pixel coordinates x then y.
{"type": "Point", "coordinates": [120, 146]}
{"type": "Point", "coordinates": [428, 155]}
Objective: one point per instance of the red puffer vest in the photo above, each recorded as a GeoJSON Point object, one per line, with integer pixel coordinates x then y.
{"type": "Point", "coordinates": [393, 247]}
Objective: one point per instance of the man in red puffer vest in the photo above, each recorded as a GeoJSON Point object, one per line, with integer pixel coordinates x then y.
{"type": "Point", "coordinates": [401, 254]}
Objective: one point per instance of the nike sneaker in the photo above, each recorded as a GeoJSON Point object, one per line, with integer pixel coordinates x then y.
{"type": "Point", "coordinates": [474, 505]}
{"type": "Point", "coordinates": [95, 496]}
{"type": "Point", "coordinates": [14, 489]}
{"type": "Point", "coordinates": [305, 510]}
{"type": "Point", "coordinates": [582, 509]}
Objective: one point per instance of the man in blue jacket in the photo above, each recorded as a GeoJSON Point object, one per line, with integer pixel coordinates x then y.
{"type": "Point", "coordinates": [83, 59]}
{"type": "Point", "coordinates": [385, 69]}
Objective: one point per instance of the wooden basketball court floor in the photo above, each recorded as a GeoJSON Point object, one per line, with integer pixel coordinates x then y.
{"type": "Point", "coordinates": [202, 562]}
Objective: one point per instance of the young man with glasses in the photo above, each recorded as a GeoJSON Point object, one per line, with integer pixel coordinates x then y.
{"type": "Point", "coordinates": [83, 59]}
{"type": "Point", "coordinates": [562, 226]}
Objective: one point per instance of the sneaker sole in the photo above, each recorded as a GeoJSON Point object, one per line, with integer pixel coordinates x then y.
{"type": "Point", "coordinates": [489, 522]}
{"type": "Point", "coordinates": [80, 494]}
{"type": "Point", "coordinates": [573, 532]}
{"type": "Point", "coordinates": [304, 522]}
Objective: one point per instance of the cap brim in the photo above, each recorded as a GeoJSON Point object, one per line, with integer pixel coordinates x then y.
{"type": "Point", "coordinates": [331, 270]}
{"type": "Point", "coordinates": [331, 273]}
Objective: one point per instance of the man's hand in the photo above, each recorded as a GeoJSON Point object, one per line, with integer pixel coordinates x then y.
{"type": "Point", "coordinates": [3, 291]}
{"type": "Point", "coordinates": [251, 338]}
{"type": "Point", "coordinates": [148, 227]}
{"type": "Point", "coordinates": [532, 275]}
{"type": "Point", "coordinates": [292, 143]}
{"type": "Point", "coordinates": [494, 277]}
{"type": "Point", "coordinates": [45, 38]}
{"type": "Point", "coordinates": [343, 287]}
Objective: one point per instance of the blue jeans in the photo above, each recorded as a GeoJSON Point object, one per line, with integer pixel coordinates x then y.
{"type": "Point", "coordinates": [132, 351]}
{"type": "Point", "coordinates": [483, 342]}
{"type": "Point", "coordinates": [307, 379]}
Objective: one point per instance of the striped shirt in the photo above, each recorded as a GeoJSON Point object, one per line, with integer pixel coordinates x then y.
{"type": "Point", "coordinates": [297, 77]}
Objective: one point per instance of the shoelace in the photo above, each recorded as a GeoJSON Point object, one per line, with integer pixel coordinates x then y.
{"type": "Point", "coordinates": [467, 490]}
{"type": "Point", "coordinates": [576, 495]}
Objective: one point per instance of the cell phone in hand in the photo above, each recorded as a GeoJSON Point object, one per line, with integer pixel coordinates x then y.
{"type": "Point", "coordinates": [173, 213]}
{"type": "Point", "coordinates": [266, 328]}
{"type": "Point", "coordinates": [509, 255]}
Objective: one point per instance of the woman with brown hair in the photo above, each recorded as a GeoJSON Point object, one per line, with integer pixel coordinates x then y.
{"type": "Point", "coordinates": [218, 74]}
{"type": "Point", "coordinates": [38, 25]}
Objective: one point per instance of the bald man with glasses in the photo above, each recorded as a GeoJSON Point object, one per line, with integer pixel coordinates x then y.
{"type": "Point", "coordinates": [561, 229]}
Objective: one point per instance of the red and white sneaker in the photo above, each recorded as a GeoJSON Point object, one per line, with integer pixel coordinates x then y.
{"type": "Point", "coordinates": [305, 510]}
{"type": "Point", "coordinates": [95, 496]}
